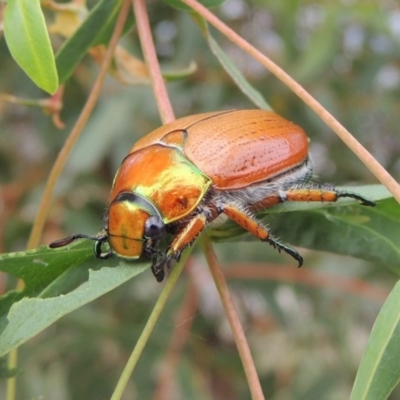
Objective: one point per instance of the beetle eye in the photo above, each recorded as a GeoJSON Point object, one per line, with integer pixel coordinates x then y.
{"type": "Point", "coordinates": [154, 227]}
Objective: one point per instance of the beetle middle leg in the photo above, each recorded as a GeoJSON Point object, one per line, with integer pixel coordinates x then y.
{"type": "Point", "coordinates": [256, 228]}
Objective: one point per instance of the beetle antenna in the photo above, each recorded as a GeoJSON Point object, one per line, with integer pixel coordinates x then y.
{"type": "Point", "coordinates": [70, 239]}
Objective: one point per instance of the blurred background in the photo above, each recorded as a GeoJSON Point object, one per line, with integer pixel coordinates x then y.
{"type": "Point", "coordinates": [308, 328]}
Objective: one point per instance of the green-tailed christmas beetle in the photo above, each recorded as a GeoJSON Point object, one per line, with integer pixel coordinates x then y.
{"type": "Point", "coordinates": [187, 174]}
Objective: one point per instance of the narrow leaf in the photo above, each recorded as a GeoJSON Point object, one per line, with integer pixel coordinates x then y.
{"type": "Point", "coordinates": [40, 267]}
{"type": "Point", "coordinates": [229, 66]}
{"type": "Point", "coordinates": [253, 94]}
{"type": "Point", "coordinates": [379, 371]}
{"type": "Point", "coordinates": [95, 30]}
{"type": "Point", "coordinates": [29, 316]}
{"type": "Point", "coordinates": [29, 44]}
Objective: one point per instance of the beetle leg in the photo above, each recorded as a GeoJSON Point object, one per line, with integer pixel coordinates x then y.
{"type": "Point", "coordinates": [320, 194]}
{"type": "Point", "coordinates": [256, 228]}
{"type": "Point", "coordinates": [186, 236]}
{"type": "Point", "coordinates": [157, 259]}
{"type": "Point", "coordinates": [157, 269]}
{"type": "Point", "coordinates": [182, 239]}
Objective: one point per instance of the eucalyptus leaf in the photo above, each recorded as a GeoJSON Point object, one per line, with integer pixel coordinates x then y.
{"type": "Point", "coordinates": [379, 371]}
{"type": "Point", "coordinates": [30, 316]}
{"type": "Point", "coordinates": [230, 67]}
{"type": "Point", "coordinates": [95, 30]}
{"type": "Point", "coordinates": [28, 41]}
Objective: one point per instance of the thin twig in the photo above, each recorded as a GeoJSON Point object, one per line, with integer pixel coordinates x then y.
{"type": "Point", "coordinates": [372, 164]}
{"type": "Point", "coordinates": [150, 56]}
{"type": "Point", "coordinates": [148, 329]}
{"type": "Point", "coordinates": [44, 208]}
{"type": "Point", "coordinates": [12, 362]}
{"type": "Point", "coordinates": [234, 322]}
{"type": "Point", "coordinates": [182, 322]}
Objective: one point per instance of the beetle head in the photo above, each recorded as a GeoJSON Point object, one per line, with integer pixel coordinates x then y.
{"type": "Point", "coordinates": [134, 225]}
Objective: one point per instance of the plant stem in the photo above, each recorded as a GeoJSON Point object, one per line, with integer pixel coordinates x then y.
{"type": "Point", "coordinates": [12, 361]}
{"type": "Point", "coordinates": [355, 146]}
{"type": "Point", "coordinates": [178, 339]}
{"type": "Point", "coordinates": [149, 327]}
{"type": "Point", "coordinates": [150, 56]}
{"type": "Point", "coordinates": [234, 322]}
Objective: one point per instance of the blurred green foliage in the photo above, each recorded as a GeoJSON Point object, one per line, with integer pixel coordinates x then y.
{"type": "Point", "coordinates": [307, 339]}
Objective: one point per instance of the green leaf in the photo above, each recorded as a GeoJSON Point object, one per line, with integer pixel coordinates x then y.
{"type": "Point", "coordinates": [370, 233]}
{"type": "Point", "coordinates": [95, 30]}
{"type": "Point", "coordinates": [29, 44]}
{"type": "Point", "coordinates": [379, 371]}
{"type": "Point", "coordinates": [40, 267]}
{"type": "Point", "coordinates": [181, 6]}
{"type": "Point", "coordinates": [229, 66]}
{"type": "Point", "coordinates": [30, 316]}
{"type": "Point", "coordinates": [56, 283]}
{"type": "Point", "coordinates": [253, 94]}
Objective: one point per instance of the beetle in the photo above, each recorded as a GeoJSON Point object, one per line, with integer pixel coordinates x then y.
{"type": "Point", "coordinates": [202, 169]}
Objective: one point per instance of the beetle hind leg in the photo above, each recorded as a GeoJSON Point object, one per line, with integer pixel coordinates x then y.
{"type": "Point", "coordinates": [361, 199]}
{"type": "Point", "coordinates": [256, 228]}
{"type": "Point", "coordinates": [320, 193]}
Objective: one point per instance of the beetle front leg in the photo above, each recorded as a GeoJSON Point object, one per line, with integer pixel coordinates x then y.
{"type": "Point", "coordinates": [256, 228]}
{"type": "Point", "coordinates": [186, 236]}
{"type": "Point", "coordinates": [157, 269]}
{"type": "Point", "coordinates": [157, 259]}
